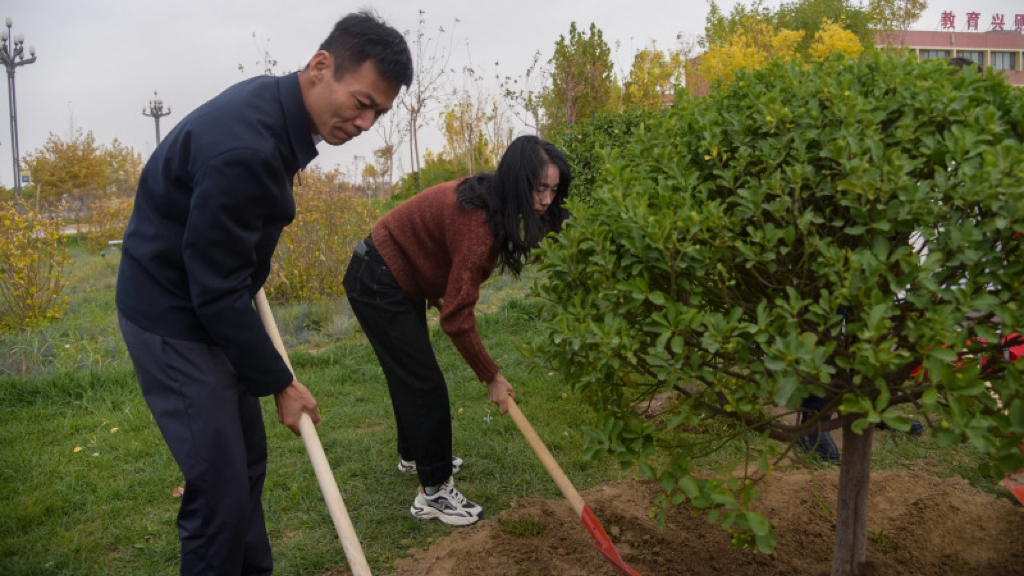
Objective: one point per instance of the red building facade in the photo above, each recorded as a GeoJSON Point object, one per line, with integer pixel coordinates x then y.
{"type": "Point", "coordinates": [1001, 51]}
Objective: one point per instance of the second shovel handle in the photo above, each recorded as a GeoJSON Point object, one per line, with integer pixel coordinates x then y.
{"type": "Point", "coordinates": [542, 452]}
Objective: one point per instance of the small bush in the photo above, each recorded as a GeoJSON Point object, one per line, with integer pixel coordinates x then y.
{"type": "Point", "coordinates": [32, 261]}
{"type": "Point", "coordinates": [104, 220]}
{"type": "Point", "coordinates": [314, 251]}
{"type": "Point", "coordinates": [437, 169]}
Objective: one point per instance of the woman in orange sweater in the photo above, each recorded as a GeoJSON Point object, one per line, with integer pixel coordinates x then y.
{"type": "Point", "coordinates": [439, 247]}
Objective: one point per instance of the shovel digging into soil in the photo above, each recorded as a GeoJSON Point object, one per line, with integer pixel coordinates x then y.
{"type": "Point", "coordinates": [328, 486]}
{"type": "Point", "coordinates": [601, 540]}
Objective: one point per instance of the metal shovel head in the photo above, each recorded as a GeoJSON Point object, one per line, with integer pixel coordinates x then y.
{"type": "Point", "coordinates": [604, 543]}
{"type": "Point", "coordinates": [1015, 483]}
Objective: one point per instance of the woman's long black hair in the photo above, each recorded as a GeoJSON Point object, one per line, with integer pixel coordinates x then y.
{"type": "Point", "coordinates": [507, 196]}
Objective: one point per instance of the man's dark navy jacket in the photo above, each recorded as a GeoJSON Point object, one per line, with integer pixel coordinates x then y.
{"type": "Point", "coordinates": [209, 210]}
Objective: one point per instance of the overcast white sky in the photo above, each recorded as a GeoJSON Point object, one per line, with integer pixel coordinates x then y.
{"type": "Point", "coordinates": [99, 61]}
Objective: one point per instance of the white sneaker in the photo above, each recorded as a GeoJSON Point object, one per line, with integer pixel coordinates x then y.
{"type": "Point", "coordinates": [447, 505]}
{"type": "Point", "coordinates": [409, 466]}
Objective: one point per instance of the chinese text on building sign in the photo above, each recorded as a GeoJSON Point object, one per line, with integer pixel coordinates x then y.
{"type": "Point", "coordinates": [998, 21]}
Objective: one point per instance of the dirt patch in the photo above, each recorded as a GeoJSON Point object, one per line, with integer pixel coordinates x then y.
{"type": "Point", "coordinates": [920, 525]}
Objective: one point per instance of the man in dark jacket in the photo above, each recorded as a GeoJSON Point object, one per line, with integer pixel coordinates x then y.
{"type": "Point", "coordinates": [211, 204]}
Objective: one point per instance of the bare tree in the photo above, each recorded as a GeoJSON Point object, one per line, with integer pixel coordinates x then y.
{"type": "Point", "coordinates": [264, 61]}
{"type": "Point", "coordinates": [498, 128]}
{"type": "Point", "coordinates": [524, 93]}
{"type": "Point", "coordinates": [371, 181]}
{"type": "Point", "coordinates": [430, 61]}
{"type": "Point", "coordinates": [354, 174]}
{"type": "Point", "coordinates": [392, 129]}
{"type": "Point", "coordinates": [477, 124]}
{"type": "Point", "coordinates": [890, 19]}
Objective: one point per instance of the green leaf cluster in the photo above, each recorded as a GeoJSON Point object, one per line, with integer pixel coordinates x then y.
{"type": "Point", "coordinates": [804, 231]}
{"type": "Point", "coordinates": [588, 142]}
{"type": "Point", "coordinates": [437, 169]}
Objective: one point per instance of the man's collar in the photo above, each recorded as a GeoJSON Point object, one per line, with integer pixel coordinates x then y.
{"type": "Point", "coordinates": [299, 130]}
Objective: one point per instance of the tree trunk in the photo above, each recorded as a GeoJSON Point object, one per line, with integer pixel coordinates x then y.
{"type": "Point", "coordinates": [852, 517]}
{"type": "Point", "coordinates": [413, 159]}
{"type": "Point", "coordinates": [414, 142]}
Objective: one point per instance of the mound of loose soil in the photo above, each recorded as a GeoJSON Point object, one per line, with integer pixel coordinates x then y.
{"type": "Point", "coordinates": [919, 526]}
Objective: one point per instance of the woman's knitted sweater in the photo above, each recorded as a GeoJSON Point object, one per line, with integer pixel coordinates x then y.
{"type": "Point", "coordinates": [436, 249]}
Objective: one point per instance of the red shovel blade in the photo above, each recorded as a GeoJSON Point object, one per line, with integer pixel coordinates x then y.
{"type": "Point", "coordinates": [1015, 482]}
{"type": "Point", "coordinates": [604, 543]}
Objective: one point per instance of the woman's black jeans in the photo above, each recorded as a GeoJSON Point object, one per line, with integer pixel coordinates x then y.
{"type": "Point", "coordinates": [396, 325]}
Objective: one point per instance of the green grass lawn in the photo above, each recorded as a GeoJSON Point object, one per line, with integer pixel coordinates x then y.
{"type": "Point", "coordinates": [86, 482]}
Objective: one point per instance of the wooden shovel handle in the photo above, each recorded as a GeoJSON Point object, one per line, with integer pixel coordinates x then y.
{"type": "Point", "coordinates": [568, 490]}
{"type": "Point", "coordinates": [590, 522]}
{"type": "Point", "coordinates": [315, 450]}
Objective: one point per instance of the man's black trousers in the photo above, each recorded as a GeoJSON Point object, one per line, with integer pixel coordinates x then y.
{"type": "Point", "coordinates": [215, 432]}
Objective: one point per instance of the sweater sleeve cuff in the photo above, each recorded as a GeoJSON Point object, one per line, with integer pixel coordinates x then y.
{"type": "Point", "coordinates": [485, 369]}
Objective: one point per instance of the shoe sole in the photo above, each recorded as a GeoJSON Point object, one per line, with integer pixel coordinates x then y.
{"type": "Point", "coordinates": [428, 513]}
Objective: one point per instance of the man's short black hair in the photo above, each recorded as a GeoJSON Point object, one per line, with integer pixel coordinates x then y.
{"type": "Point", "coordinates": [363, 36]}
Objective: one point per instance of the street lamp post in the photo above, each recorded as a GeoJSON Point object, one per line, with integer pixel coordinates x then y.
{"type": "Point", "coordinates": [12, 54]}
{"type": "Point", "coordinates": [156, 111]}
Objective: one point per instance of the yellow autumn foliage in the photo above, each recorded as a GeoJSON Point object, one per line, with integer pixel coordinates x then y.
{"type": "Point", "coordinates": [760, 43]}
{"type": "Point", "coordinates": [831, 38]}
{"type": "Point", "coordinates": [102, 220]}
{"type": "Point", "coordinates": [653, 77]}
{"type": "Point", "coordinates": [752, 48]}
{"type": "Point", "coordinates": [32, 265]}
{"type": "Point", "coordinates": [314, 250]}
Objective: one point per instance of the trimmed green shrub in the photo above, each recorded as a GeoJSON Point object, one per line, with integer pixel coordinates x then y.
{"type": "Point", "coordinates": [587, 143]}
{"type": "Point", "coordinates": [436, 170]}
{"type": "Point", "coordinates": [805, 231]}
